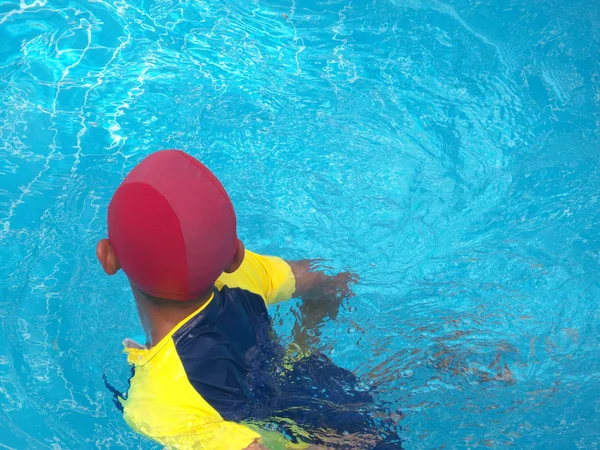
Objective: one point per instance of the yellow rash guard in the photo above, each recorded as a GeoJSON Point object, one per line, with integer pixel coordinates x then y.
{"type": "Point", "coordinates": [185, 390]}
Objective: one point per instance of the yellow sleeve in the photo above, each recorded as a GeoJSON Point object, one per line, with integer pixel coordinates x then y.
{"type": "Point", "coordinates": [268, 276]}
{"type": "Point", "coordinates": [162, 405]}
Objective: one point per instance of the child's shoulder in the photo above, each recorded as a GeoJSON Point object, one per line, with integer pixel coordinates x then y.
{"type": "Point", "coordinates": [268, 276]}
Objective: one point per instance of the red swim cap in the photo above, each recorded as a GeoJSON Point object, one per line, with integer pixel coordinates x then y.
{"type": "Point", "coordinates": [172, 226]}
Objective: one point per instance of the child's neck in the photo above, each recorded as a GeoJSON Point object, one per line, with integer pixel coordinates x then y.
{"type": "Point", "coordinates": [158, 317]}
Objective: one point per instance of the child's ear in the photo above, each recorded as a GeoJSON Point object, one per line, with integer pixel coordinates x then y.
{"type": "Point", "coordinates": [238, 258]}
{"type": "Point", "coordinates": [106, 256]}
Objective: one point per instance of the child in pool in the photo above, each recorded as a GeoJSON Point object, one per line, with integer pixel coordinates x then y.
{"type": "Point", "coordinates": [210, 374]}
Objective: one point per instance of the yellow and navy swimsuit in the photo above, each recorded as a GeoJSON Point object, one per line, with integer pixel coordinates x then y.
{"type": "Point", "coordinates": [220, 381]}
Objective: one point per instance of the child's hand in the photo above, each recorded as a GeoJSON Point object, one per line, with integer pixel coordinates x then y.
{"type": "Point", "coordinates": [314, 284]}
{"type": "Point", "coordinates": [321, 297]}
{"type": "Point", "coordinates": [342, 283]}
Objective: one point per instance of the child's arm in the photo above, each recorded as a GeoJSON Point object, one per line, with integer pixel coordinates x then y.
{"type": "Point", "coordinates": [277, 280]}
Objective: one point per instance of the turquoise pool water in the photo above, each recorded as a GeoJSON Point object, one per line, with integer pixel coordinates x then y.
{"type": "Point", "coordinates": [447, 152]}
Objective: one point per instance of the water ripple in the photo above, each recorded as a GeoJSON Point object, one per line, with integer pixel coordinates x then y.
{"type": "Point", "coordinates": [445, 151]}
